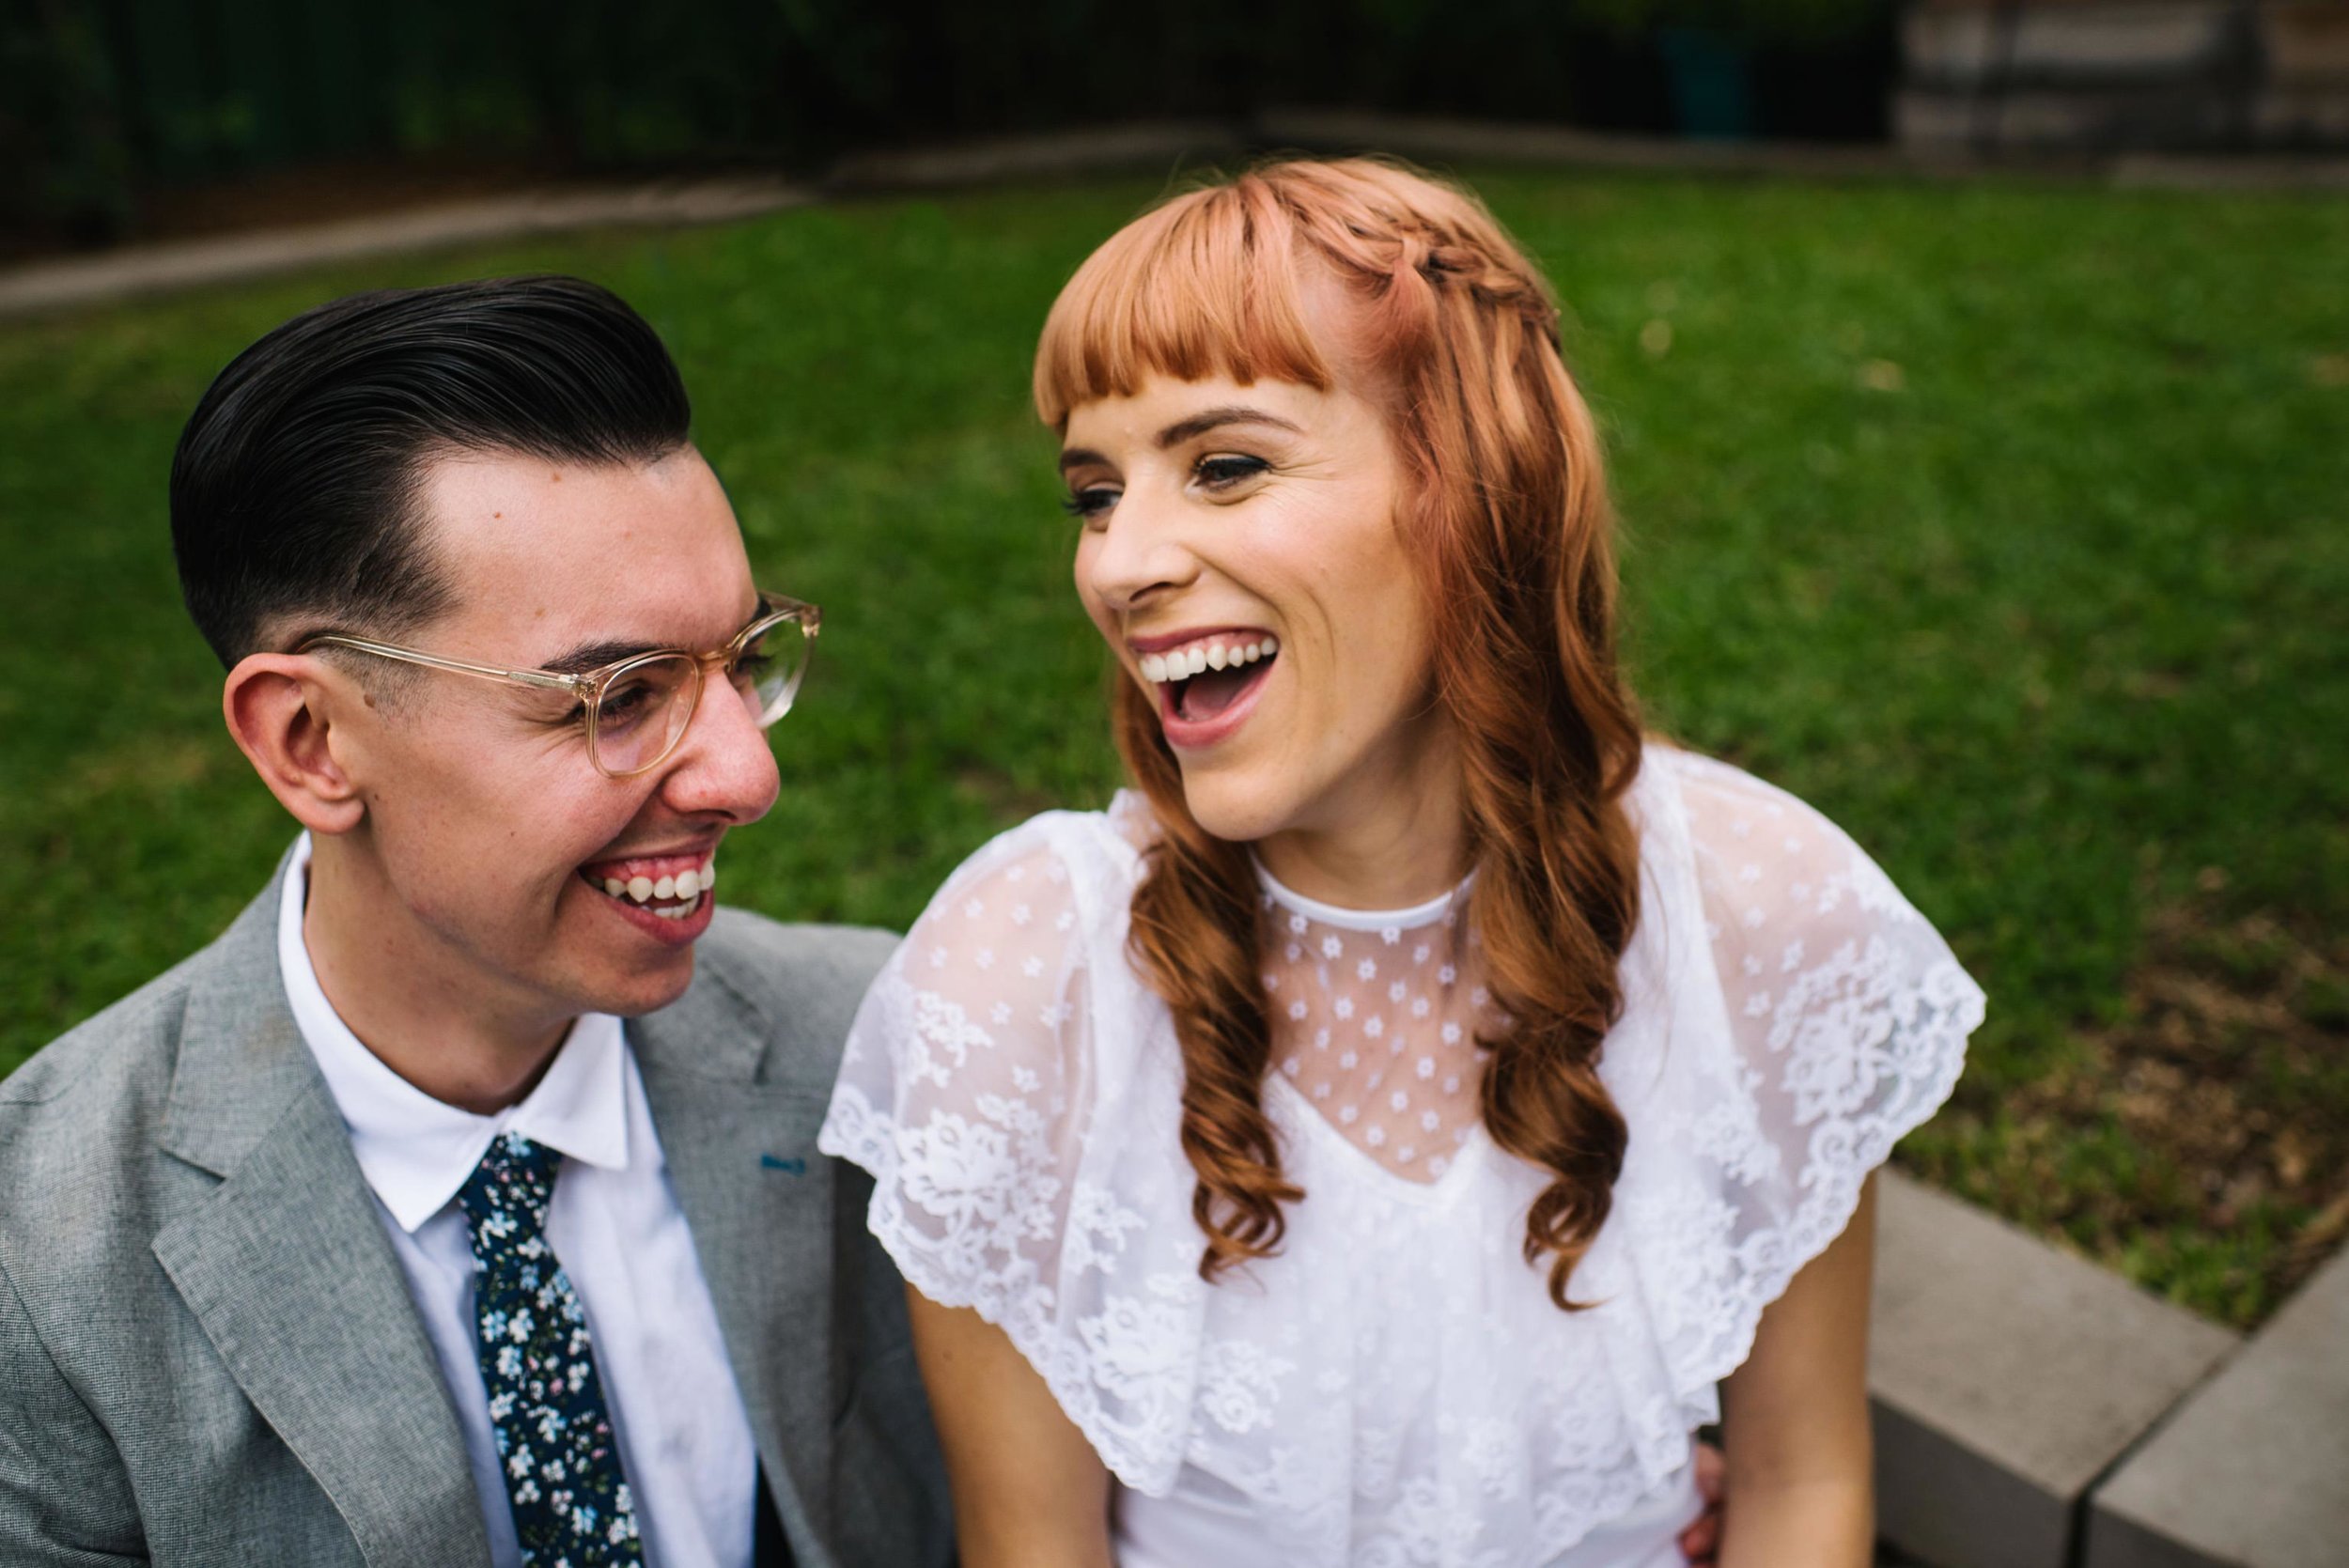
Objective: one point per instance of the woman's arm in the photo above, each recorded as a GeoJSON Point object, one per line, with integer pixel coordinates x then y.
{"type": "Point", "coordinates": [1795, 1418]}
{"type": "Point", "coordinates": [1029, 1490]}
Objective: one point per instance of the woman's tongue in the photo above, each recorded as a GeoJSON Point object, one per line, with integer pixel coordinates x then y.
{"type": "Point", "coordinates": [1210, 691]}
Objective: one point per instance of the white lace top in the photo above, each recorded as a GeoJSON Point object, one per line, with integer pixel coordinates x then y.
{"type": "Point", "coordinates": [1396, 1386]}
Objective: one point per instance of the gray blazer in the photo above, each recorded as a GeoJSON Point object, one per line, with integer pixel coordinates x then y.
{"type": "Point", "coordinates": [208, 1351]}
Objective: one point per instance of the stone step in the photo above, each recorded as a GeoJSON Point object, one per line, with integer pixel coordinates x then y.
{"type": "Point", "coordinates": [2253, 1469]}
{"type": "Point", "coordinates": [2007, 1377]}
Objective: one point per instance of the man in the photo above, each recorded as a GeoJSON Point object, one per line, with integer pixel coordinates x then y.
{"type": "Point", "coordinates": [461, 1204]}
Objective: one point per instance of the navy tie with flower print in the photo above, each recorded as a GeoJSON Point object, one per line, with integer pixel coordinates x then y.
{"type": "Point", "coordinates": [562, 1465]}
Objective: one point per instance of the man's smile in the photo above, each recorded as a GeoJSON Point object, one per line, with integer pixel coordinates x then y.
{"type": "Point", "coordinates": [669, 887]}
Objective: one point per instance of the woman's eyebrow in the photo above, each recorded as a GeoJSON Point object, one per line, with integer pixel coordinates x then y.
{"type": "Point", "coordinates": [1184, 430]}
{"type": "Point", "coordinates": [1200, 424]}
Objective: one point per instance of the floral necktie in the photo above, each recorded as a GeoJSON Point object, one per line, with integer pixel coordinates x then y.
{"type": "Point", "coordinates": [571, 1502]}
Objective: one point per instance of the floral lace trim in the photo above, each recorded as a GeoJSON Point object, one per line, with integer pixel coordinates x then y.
{"type": "Point", "coordinates": [1709, 1296]}
{"type": "Point", "coordinates": [1132, 1352]}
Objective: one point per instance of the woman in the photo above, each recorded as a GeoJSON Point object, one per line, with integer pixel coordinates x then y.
{"type": "Point", "coordinates": [1372, 1140]}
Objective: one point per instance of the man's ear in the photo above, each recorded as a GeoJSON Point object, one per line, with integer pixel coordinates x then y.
{"type": "Point", "coordinates": [282, 710]}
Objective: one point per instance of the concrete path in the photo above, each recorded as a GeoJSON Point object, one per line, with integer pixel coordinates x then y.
{"type": "Point", "coordinates": [136, 269]}
{"type": "Point", "coordinates": [1162, 148]}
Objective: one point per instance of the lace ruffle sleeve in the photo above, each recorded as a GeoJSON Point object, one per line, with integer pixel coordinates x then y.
{"type": "Point", "coordinates": [1838, 1024]}
{"type": "Point", "coordinates": [975, 1087]}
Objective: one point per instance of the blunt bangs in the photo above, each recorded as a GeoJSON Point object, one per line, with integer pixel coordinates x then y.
{"type": "Point", "coordinates": [1206, 284]}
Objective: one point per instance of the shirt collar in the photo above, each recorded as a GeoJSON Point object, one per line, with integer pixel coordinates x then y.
{"type": "Point", "coordinates": [416, 1151]}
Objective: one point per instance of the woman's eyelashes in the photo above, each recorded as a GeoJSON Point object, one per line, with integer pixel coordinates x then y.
{"type": "Point", "coordinates": [1090, 503]}
{"type": "Point", "coordinates": [1216, 475]}
{"type": "Point", "coordinates": [1226, 469]}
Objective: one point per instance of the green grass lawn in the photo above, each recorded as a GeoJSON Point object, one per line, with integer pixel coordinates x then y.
{"type": "Point", "coordinates": [2005, 524]}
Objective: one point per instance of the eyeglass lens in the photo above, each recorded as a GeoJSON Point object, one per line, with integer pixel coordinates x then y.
{"type": "Point", "coordinates": [647, 704]}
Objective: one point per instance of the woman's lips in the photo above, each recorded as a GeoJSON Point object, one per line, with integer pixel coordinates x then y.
{"type": "Point", "coordinates": [1198, 732]}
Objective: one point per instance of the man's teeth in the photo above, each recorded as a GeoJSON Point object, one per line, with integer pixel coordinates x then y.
{"type": "Point", "coordinates": [1183, 663]}
{"type": "Point", "coordinates": [686, 885]}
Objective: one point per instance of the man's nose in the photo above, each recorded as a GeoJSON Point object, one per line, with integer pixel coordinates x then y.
{"type": "Point", "coordinates": [724, 766]}
{"type": "Point", "coordinates": [1141, 552]}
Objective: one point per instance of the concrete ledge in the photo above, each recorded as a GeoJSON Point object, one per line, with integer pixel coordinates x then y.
{"type": "Point", "coordinates": [2007, 1377]}
{"type": "Point", "coordinates": [2252, 1471]}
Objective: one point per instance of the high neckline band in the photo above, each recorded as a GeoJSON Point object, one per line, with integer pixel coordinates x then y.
{"type": "Point", "coordinates": [1409, 919]}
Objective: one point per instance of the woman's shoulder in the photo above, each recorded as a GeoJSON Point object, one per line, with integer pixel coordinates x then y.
{"type": "Point", "coordinates": [1716, 798]}
{"type": "Point", "coordinates": [1761, 855]}
{"type": "Point", "coordinates": [1076, 865]}
{"type": "Point", "coordinates": [1103, 839]}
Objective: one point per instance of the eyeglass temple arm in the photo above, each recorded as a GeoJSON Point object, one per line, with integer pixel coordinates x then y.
{"type": "Point", "coordinates": [544, 679]}
{"type": "Point", "coordinates": [779, 609]}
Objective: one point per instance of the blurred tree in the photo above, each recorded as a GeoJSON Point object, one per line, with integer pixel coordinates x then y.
{"type": "Point", "coordinates": [104, 101]}
{"type": "Point", "coordinates": [60, 129]}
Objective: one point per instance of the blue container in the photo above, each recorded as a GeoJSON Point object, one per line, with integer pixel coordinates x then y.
{"type": "Point", "coordinates": [1710, 77]}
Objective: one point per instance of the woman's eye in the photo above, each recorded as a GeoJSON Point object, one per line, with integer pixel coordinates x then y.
{"type": "Point", "coordinates": [1224, 472]}
{"type": "Point", "coordinates": [1091, 503]}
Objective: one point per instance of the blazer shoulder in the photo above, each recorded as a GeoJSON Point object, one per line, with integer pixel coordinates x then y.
{"type": "Point", "coordinates": [771, 964]}
{"type": "Point", "coordinates": [79, 1126]}
{"type": "Point", "coordinates": [119, 1057]}
{"type": "Point", "coordinates": [802, 981]}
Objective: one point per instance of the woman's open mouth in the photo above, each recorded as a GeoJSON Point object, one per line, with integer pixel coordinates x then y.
{"type": "Point", "coordinates": [1203, 684]}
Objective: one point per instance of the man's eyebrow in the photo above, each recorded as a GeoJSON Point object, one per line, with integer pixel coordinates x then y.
{"type": "Point", "coordinates": [1200, 424]}
{"type": "Point", "coordinates": [595, 655]}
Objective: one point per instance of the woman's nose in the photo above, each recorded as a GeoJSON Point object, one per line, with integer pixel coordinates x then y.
{"type": "Point", "coordinates": [1139, 552]}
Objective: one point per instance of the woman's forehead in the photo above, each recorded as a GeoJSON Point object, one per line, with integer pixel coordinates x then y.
{"type": "Point", "coordinates": [1166, 411]}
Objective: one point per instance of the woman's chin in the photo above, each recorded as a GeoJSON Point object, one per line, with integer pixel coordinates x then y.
{"type": "Point", "coordinates": [1236, 807]}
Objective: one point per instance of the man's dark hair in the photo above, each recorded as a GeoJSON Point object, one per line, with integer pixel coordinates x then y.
{"type": "Point", "coordinates": [295, 491]}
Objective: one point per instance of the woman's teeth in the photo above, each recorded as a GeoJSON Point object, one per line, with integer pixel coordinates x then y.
{"type": "Point", "coordinates": [685, 887]}
{"type": "Point", "coordinates": [1183, 663]}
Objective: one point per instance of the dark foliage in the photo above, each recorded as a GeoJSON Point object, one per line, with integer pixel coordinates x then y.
{"type": "Point", "coordinates": [104, 102]}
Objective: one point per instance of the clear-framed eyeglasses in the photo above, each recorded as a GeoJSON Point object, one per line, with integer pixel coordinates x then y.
{"type": "Point", "coordinates": [637, 708]}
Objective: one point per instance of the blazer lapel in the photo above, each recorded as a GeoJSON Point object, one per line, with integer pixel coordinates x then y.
{"type": "Point", "coordinates": [758, 1199]}
{"type": "Point", "coordinates": [286, 1267]}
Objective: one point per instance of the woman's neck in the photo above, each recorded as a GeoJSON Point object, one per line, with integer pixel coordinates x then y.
{"type": "Point", "coordinates": [1389, 843]}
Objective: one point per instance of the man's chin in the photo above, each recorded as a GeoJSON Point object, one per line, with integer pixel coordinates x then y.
{"type": "Point", "coordinates": [648, 990]}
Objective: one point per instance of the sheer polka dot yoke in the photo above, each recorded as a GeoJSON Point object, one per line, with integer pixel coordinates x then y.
{"type": "Point", "coordinates": [1374, 1019]}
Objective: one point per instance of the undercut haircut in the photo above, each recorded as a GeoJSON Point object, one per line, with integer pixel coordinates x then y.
{"type": "Point", "coordinates": [296, 493]}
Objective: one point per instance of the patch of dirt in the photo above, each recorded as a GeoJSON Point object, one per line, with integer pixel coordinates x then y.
{"type": "Point", "coordinates": [2229, 1075]}
{"type": "Point", "coordinates": [323, 192]}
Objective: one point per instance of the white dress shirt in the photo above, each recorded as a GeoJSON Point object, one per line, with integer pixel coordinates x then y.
{"type": "Point", "coordinates": [615, 1224]}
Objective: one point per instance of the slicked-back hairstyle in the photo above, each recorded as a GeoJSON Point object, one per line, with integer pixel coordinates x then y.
{"type": "Point", "coordinates": [1508, 525]}
{"type": "Point", "coordinates": [295, 493]}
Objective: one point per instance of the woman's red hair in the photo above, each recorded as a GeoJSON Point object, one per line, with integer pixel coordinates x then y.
{"type": "Point", "coordinates": [1506, 513]}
